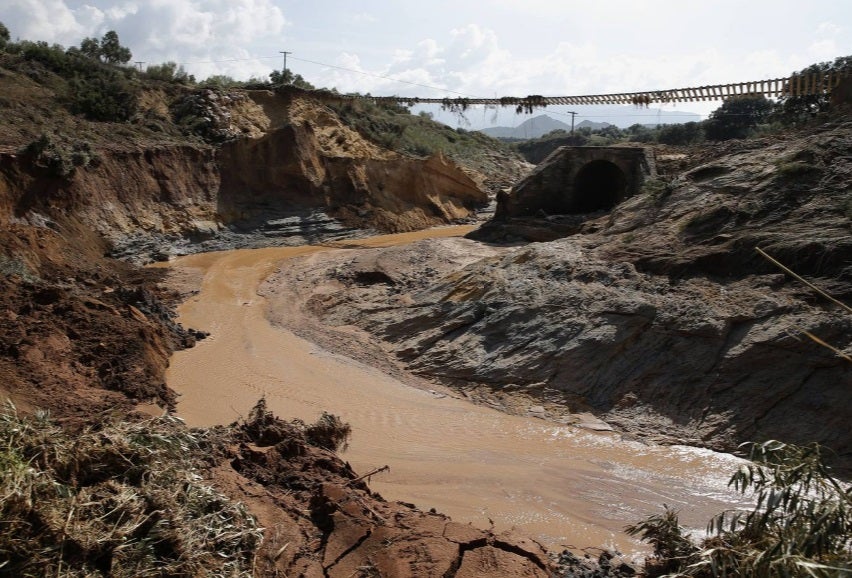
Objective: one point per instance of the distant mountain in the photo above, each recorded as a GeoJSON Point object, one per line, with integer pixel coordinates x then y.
{"type": "Point", "coordinates": [530, 128]}
{"type": "Point", "coordinates": [500, 122]}
{"type": "Point", "coordinates": [592, 125]}
{"type": "Point", "coordinates": [539, 126]}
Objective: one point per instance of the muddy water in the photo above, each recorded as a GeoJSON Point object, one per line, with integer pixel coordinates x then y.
{"type": "Point", "coordinates": [564, 485]}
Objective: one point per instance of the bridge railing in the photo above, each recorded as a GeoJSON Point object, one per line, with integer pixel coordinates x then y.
{"type": "Point", "coordinates": [795, 85]}
{"type": "Point", "coordinates": [791, 86]}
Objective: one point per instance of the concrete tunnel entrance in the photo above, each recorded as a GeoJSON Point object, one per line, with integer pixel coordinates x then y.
{"type": "Point", "coordinates": [578, 181]}
{"type": "Point", "coordinates": [598, 186]}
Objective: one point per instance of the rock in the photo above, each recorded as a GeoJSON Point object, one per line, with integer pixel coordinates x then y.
{"type": "Point", "coordinates": [660, 318]}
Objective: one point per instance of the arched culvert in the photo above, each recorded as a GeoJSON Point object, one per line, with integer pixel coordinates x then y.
{"type": "Point", "coordinates": [598, 186]}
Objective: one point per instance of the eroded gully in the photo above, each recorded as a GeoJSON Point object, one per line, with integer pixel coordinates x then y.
{"type": "Point", "coordinates": [562, 485]}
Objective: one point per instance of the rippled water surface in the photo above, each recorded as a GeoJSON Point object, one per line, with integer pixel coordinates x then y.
{"type": "Point", "coordinates": [560, 484]}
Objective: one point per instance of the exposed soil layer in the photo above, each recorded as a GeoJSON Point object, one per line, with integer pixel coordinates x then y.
{"type": "Point", "coordinates": [321, 518]}
{"type": "Point", "coordinates": [80, 334]}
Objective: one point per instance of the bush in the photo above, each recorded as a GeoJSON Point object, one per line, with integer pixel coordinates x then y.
{"type": "Point", "coordinates": [96, 90]}
{"type": "Point", "coordinates": [801, 524]}
{"type": "Point", "coordinates": [737, 117]}
{"type": "Point", "coordinates": [169, 72]}
{"type": "Point", "coordinates": [329, 432]}
{"type": "Point", "coordinates": [59, 158]}
{"type": "Point", "coordinates": [103, 98]}
{"type": "Point", "coordinates": [681, 134]}
{"type": "Point", "coordinates": [4, 36]}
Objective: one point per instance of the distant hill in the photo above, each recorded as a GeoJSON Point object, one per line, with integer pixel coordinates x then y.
{"type": "Point", "coordinates": [530, 128]}
{"type": "Point", "coordinates": [592, 125]}
{"type": "Point", "coordinates": [539, 126]}
{"type": "Point", "coordinates": [494, 123]}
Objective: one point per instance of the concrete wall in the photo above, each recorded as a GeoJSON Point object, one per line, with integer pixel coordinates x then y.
{"type": "Point", "coordinates": [576, 180]}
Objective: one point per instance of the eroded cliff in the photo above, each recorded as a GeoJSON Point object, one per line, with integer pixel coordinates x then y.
{"type": "Point", "coordinates": [272, 169]}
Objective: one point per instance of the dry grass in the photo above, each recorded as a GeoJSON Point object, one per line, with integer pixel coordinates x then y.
{"type": "Point", "coordinates": [120, 499]}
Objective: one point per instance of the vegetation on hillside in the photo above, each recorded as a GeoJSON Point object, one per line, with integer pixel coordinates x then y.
{"type": "Point", "coordinates": [800, 526]}
{"type": "Point", "coordinates": [395, 128]}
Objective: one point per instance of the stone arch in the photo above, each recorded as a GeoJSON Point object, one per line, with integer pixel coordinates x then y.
{"type": "Point", "coordinates": [599, 186]}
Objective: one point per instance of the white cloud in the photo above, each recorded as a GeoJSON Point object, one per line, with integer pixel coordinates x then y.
{"type": "Point", "coordinates": [828, 29]}
{"type": "Point", "coordinates": [189, 31]}
{"type": "Point", "coordinates": [364, 18]}
{"type": "Point", "coordinates": [48, 20]}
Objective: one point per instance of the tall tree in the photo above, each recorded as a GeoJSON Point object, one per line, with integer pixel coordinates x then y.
{"type": "Point", "coordinates": [737, 117]}
{"type": "Point", "coordinates": [91, 47]}
{"type": "Point", "coordinates": [792, 110]}
{"type": "Point", "coordinates": [108, 49]}
{"type": "Point", "coordinates": [112, 52]}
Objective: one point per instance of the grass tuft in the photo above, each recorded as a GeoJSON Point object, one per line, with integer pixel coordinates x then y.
{"type": "Point", "coordinates": [120, 499]}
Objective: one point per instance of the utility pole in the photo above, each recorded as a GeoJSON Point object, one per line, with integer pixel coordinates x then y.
{"type": "Point", "coordinates": [285, 60]}
{"type": "Point", "coordinates": [139, 63]}
{"type": "Point", "coordinates": [573, 114]}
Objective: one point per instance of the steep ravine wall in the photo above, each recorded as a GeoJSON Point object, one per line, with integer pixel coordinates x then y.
{"type": "Point", "coordinates": [313, 161]}
{"type": "Point", "coordinates": [167, 190]}
{"type": "Point", "coordinates": [308, 163]}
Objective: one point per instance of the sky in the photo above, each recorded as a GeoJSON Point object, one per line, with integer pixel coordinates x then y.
{"type": "Point", "coordinates": [463, 48]}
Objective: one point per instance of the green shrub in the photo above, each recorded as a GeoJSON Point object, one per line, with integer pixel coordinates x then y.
{"type": "Point", "coordinates": [169, 72]}
{"type": "Point", "coordinates": [658, 189]}
{"type": "Point", "coordinates": [103, 98]}
{"type": "Point", "coordinates": [59, 158]}
{"type": "Point", "coordinates": [801, 523]}
{"type": "Point", "coordinates": [4, 36]}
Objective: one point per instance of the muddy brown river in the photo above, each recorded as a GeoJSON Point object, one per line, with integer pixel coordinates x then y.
{"type": "Point", "coordinates": [563, 485]}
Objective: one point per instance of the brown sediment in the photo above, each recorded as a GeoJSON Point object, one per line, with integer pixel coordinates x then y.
{"type": "Point", "coordinates": [564, 485]}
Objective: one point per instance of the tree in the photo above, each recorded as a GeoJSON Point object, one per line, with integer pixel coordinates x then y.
{"type": "Point", "coordinates": [286, 77]}
{"type": "Point", "coordinates": [681, 134]}
{"type": "Point", "coordinates": [169, 72]}
{"type": "Point", "coordinates": [220, 81]}
{"type": "Point", "coordinates": [793, 110]}
{"type": "Point", "coordinates": [640, 133]}
{"type": "Point", "coordinates": [108, 49]}
{"type": "Point", "coordinates": [4, 35]}
{"type": "Point", "coordinates": [91, 47]}
{"type": "Point", "coordinates": [737, 117]}
{"type": "Point", "coordinates": [112, 52]}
